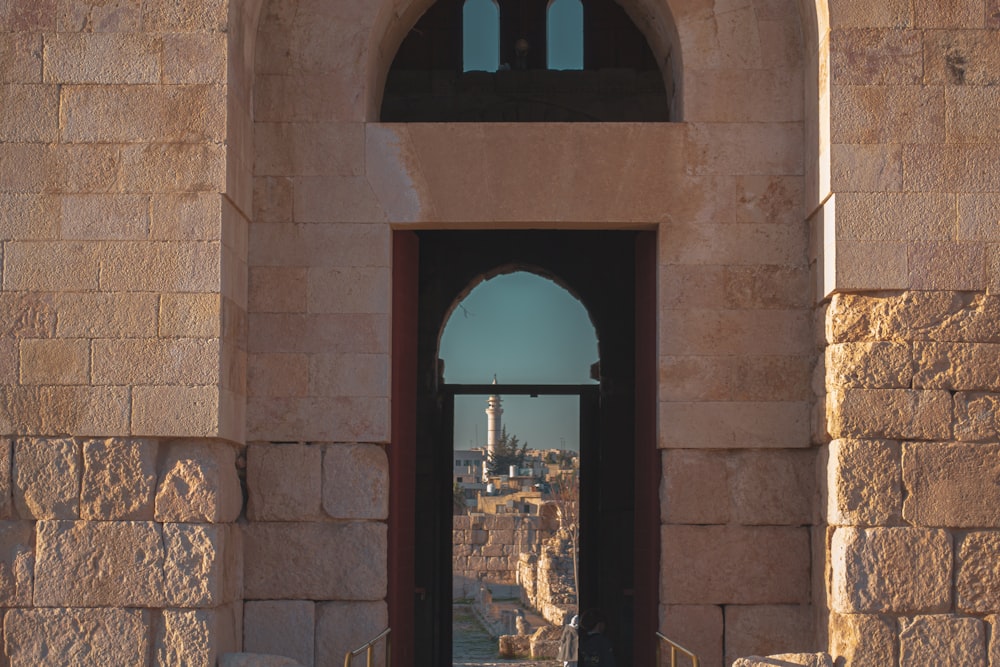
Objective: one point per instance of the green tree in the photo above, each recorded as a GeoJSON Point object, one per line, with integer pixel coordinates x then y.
{"type": "Point", "coordinates": [507, 452]}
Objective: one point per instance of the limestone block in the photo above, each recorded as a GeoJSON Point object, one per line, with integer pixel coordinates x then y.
{"type": "Point", "coordinates": [281, 563]}
{"type": "Point", "coordinates": [83, 410]}
{"type": "Point", "coordinates": [896, 570]}
{"type": "Point", "coordinates": [945, 167]}
{"type": "Point", "coordinates": [156, 361]}
{"type": "Point", "coordinates": [993, 622]}
{"type": "Point", "coordinates": [773, 378]}
{"type": "Point", "coordinates": [942, 640]}
{"type": "Point", "coordinates": [125, 114]}
{"type": "Point", "coordinates": [46, 474]}
{"type": "Point", "coordinates": [870, 56]}
{"type": "Point", "coordinates": [956, 366]}
{"type": "Point", "coordinates": [20, 58]}
{"type": "Point", "coordinates": [787, 660]}
{"type": "Point", "coordinates": [106, 315]}
{"type": "Point", "coordinates": [344, 626]}
{"type": "Point", "coordinates": [772, 487]}
{"type": "Point", "coordinates": [735, 565]}
{"type": "Point", "coordinates": [869, 365]}
{"type": "Point", "coordinates": [735, 148]}
{"type": "Point", "coordinates": [355, 482]}
{"type": "Point", "coordinates": [859, 13]}
{"type": "Point", "coordinates": [977, 583]}
{"type": "Point", "coordinates": [697, 628]}
{"type": "Point", "coordinates": [864, 483]}
{"type": "Point", "coordinates": [977, 416]}
{"type": "Point", "coordinates": [712, 243]}
{"type": "Point", "coordinates": [280, 244]}
{"type": "Point", "coordinates": [694, 487]}
{"type": "Point", "coordinates": [186, 16]}
{"type": "Point", "coordinates": [199, 483]}
{"type": "Point", "coordinates": [194, 638]}
{"type": "Point", "coordinates": [194, 58]}
{"type": "Point", "coordinates": [197, 565]}
{"type": "Point", "coordinates": [186, 216]}
{"type": "Point", "coordinates": [281, 627]}
{"type": "Point", "coordinates": [256, 660]}
{"type": "Point", "coordinates": [56, 361]}
{"type": "Point", "coordinates": [864, 640]}
{"type": "Point", "coordinates": [173, 168]}
{"type": "Point", "coordinates": [190, 316]}
{"type": "Point", "coordinates": [89, 16]}
{"type": "Point", "coordinates": [946, 265]}
{"type": "Point", "coordinates": [872, 114]}
{"type": "Point", "coordinates": [309, 149]}
{"type": "Point", "coordinates": [761, 630]}
{"type": "Point", "coordinates": [119, 58]}
{"type": "Point", "coordinates": [42, 265]}
{"type": "Point", "coordinates": [175, 409]}
{"type": "Point", "coordinates": [30, 112]}
{"type": "Point", "coordinates": [866, 167]}
{"type": "Point", "coordinates": [284, 482]}
{"type": "Point", "coordinates": [358, 333]}
{"type": "Point", "coordinates": [960, 56]}
{"type": "Point", "coordinates": [889, 414]}
{"type": "Point", "coordinates": [84, 637]}
{"type": "Point", "coordinates": [323, 419]}
{"type": "Point", "coordinates": [119, 477]}
{"type": "Point", "coordinates": [16, 563]}
{"type": "Point", "coordinates": [99, 563]}
{"type": "Point", "coordinates": [695, 377]}
{"type": "Point", "coordinates": [105, 217]}
{"type": "Point", "coordinates": [725, 425]}
{"type": "Point", "coordinates": [951, 14]}
{"type": "Point", "coordinates": [951, 484]}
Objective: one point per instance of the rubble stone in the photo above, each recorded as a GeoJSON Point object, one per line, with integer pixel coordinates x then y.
{"type": "Point", "coordinates": [199, 483]}
{"type": "Point", "coordinates": [864, 640]}
{"type": "Point", "coordinates": [85, 637]}
{"type": "Point", "coordinates": [194, 638]}
{"type": "Point", "coordinates": [977, 581]}
{"type": "Point", "coordinates": [864, 485]}
{"type": "Point", "coordinates": [17, 563]}
{"type": "Point", "coordinates": [47, 478]}
{"type": "Point", "coordinates": [947, 641]}
{"type": "Point", "coordinates": [890, 570]}
{"type": "Point", "coordinates": [119, 477]}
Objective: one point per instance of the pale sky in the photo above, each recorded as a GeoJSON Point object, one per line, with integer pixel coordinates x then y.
{"type": "Point", "coordinates": [525, 329]}
{"type": "Point", "coordinates": [481, 35]}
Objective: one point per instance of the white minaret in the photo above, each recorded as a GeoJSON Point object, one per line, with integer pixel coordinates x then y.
{"type": "Point", "coordinates": [493, 427]}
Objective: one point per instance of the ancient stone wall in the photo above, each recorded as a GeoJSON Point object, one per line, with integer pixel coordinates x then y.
{"type": "Point", "coordinates": [487, 547]}
{"type": "Point", "coordinates": [913, 502]}
{"type": "Point", "coordinates": [121, 548]}
{"type": "Point", "coordinates": [547, 580]}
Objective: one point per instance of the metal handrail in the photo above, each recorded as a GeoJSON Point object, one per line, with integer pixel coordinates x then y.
{"type": "Point", "coordinates": [674, 648]}
{"type": "Point", "coordinates": [369, 648]}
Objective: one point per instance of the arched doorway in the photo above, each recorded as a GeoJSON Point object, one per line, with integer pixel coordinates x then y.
{"type": "Point", "coordinates": [613, 275]}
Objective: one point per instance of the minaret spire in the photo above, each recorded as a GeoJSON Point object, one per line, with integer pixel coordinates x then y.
{"type": "Point", "coordinates": [493, 427]}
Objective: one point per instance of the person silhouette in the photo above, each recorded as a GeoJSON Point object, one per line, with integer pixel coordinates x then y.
{"type": "Point", "coordinates": [595, 649]}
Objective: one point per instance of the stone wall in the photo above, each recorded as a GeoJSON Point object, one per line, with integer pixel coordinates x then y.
{"type": "Point", "coordinates": [488, 547]}
{"type": "Point", "coordinates": [912, 497]}
{"type": "Point", "coordinates": [119, 551]}
{"type": "Point", "coordinates": [547, 580]}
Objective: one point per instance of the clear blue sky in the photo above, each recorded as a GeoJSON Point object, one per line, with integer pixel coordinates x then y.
{"type": "Point", "coordinates": [525, 329]}
{"type": "Point", "coordinates": [481, 35]}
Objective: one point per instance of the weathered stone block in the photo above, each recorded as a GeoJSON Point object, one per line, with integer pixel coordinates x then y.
{"type": "Point", "coordinates": [186, 16]}
{"type": "Point", "coordinates": [787, 660]}
{"type": "Point", "coordinates": [772, 488]}
{"type": "Point", "coordinates": [46, 475]}
{"type": "Point", "coordinates": [84, 637]}
{"type": "Point", "coordinates": [762, 630]}
{"type": "Point", "coordinates": [956, 366]}
{"type": "Point", "coordinates": [179, 409]}
{"type": "Point", "coordinates": [864, 483]}
{"type": "Point", "coordinates": [721, 425]}
{"type": "Point", "coordinates": [30, 112]}
{"type": "Point", "coordinates": [889, 414]}
{"type": "Point", "coordinates": [951, 484]}
{"type": "Point", "coordinates": [99, 564]}
{"type": "Point", "coordinates": [284, 482]}
{"type": "Point", "coordinates": [947, 641]}
{"type": "Point", "coordinates": [194, 58]}
{"type": "Point", "coordinates": [132, 361]}
{"type": "Point", "coordinates": [280, 561]}
{"type": "Point", "coordinates": [199, 483]}
{"type": "Point", "coordinates": [55, 361]}
{"type": "Point", "coordinates": [190, 316]}
{"type": "Point", "coordinates": [697, 628]}
{"type": "Point", "coordinates": [281, 627]}
{"type": "Point", "coordinates": [106, 315]}
{"type": "Point", "coordinates": [6, 482]}
{"type": "Point", "coordinates": [977, 583]}
{"type": "Point", "coordinates": [20, 57]}
{"type": "Point", "coordinates": [900, 570]}
{"type": "Point", "coordinates": [977, 416]}
{"type": "Point", "coordinates": [870, 56]}
{"type": "Point", "coordinates": [344, 626]}
{"type": "Point", "coordinates": [197, 565]}
{"type": "Point", "coordinates": [993, 623]}
{"type": "Point", "coordinates": [17, 563]}
{"type": "Point", "coordinates": [694, 487]}
{"type": "Point", "coordinates": [119, 477]}
{"type": "Point", "coordinates": [102, 58]}
{"type": "Point", "coordinates": [90, 16]}
{"type": "Point", "coordinates": [864, 640]}
{"type": "Point", "coordinates": [173, 168]}
{"type": "Point", "coordinates": [735, 565]}
{"type": "Point", "coordinates": [195, 638]}
{"type": "Point", "coordinates": [105, 217]}
{"type": "Point", "coordinates": [869, 365]}
{"type": "Point", "coordinates": [872, 114]}
{"type": "Point", "coordinates": [256, 660]}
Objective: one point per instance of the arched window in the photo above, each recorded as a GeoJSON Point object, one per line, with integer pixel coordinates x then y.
{"type": "Point", "coordinates": [480, 36]}
{"type": "Point", "coordinates": [565, 34]}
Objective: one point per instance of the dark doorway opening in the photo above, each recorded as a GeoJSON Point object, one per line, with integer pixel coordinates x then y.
{"type": "Point", "coordinates": [613, 275]}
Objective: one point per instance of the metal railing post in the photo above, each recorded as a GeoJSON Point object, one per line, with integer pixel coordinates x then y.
{"type": "Point", "coordinates": [674, 648]}
{"type": "Point", "coordinates": [369, 650]}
